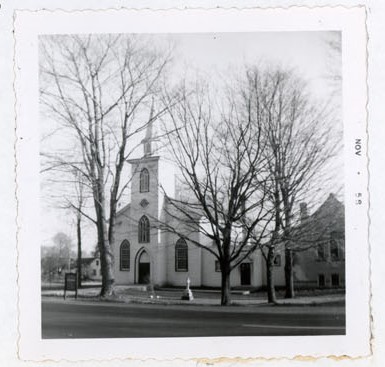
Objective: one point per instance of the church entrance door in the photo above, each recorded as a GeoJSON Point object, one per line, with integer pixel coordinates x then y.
{"type": "Point", "coordinates": [245, 274]}
{"type": "Point", "coordinates": [144, 273]}
{"type": "Point", "coordinates": [144, 268]}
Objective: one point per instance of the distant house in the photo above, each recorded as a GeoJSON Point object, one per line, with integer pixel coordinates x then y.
{"type": "Point", "coordinates": [319, 260]}
{"type": "Point", "coordinates": [91, 269]}
{"type": "Point", "coordinates": [318, 243]}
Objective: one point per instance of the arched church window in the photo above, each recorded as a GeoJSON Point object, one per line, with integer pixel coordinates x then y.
{"type": "Point", "coordinates": [125, 255]}
{"type": "Point", "coordinates": [144, 185]}
{"type": "Point", "coordinates": [181, 255]}
{"type": "Point", "coordinates": [144, 230]}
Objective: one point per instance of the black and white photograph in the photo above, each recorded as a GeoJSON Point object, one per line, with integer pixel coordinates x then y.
{"type": "Point", "coordinates": [190, 185]}
{"type": "Point", "coordinates": [184, 174]}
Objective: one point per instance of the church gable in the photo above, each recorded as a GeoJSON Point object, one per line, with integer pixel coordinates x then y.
{"type": "Point", "coordinates": [123, 215]}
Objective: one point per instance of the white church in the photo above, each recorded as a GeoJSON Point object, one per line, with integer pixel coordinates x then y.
{"type": "Point", "coordinates": [144, 254]}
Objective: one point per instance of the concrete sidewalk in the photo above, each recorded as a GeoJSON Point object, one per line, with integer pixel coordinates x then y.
{"type": "Point", "coordinates": [126, 294]}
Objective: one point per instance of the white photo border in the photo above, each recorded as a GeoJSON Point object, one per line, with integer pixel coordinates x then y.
{"type": "Point", "coordinates": [28, 25]}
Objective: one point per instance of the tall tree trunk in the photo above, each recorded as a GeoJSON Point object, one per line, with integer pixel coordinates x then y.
{"type": "Point", "coordinates": [225, 268]}
{"type": "Point", "coordinates": [106, 263]}
{"type": "Point", "coordinates": [271, 296]}
{"type": "Point", "coordinates": [225, 288]}
{"type": "Point", "coordinates": [289, 278]}
{"type": "Point", "coordinates": [79, 238]}
{"type": "Point", "coordinates": [106, 256]}
{"type": "Point", "coordinates": [111, 226]}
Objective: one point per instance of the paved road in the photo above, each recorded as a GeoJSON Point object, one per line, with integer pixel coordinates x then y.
{"type": "Point", "coordinates": [78, 319]}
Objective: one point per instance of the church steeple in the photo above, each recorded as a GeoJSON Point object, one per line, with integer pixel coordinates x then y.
{"type": "Point", "coordinates": [147, 141]}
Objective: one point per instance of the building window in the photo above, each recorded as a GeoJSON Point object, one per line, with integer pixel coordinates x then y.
{"type": "Point", "coordinates": [321, 254]}
{"type": "Point", "coordinates": [217, 266]}
{"type": "Point", "coordinates": [144, 180]}
{"type": "Point", "coordinates": [335, 280]}
{"type": "Point", "coordinates": [97, 262]}
{"type": "Point", "coordinates": [181, 255]}
{"type": "Point", "coordinates": [277, 260]}
{"type": "Point", "coordinates": [321, 280]}
{"type": "Point", "coordinates": [94, 272]}
{"type": "Point", "coordinates": [334, 250]}
{"type": "Point", "coordinates": [144, 230]}
{"type": "Point", "coordinates": [125, 255]}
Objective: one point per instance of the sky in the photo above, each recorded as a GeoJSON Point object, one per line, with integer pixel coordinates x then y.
{"type": "Point", "coordinates": [306, 52]}
{"type": "Point", "coordinates": [218, 55]}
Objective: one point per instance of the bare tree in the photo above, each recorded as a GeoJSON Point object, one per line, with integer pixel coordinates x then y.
{"type": "Point", "coordinates": [78, 208]}
{"type": "Point", "coordinates": [72, 199]}
{"type": "Point", "coordinates": [333, 65]}
{"type": "Point", "coordinates": [218, 151]}
{"type": "Point", "coordinates": [299, 143]}
{"type": "Point", "coordinates": [98, 90]}
{"type": "Point", "coordinates": [63, 244]}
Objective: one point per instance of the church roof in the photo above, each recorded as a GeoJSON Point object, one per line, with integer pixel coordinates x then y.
{"type": "Point", "coordinates": [122, 210]}
{"type": "Point", "coordinates": [177, 207]}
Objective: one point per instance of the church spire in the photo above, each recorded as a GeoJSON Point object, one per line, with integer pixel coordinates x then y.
{"type": "Point", "coordinates": [147, 146]}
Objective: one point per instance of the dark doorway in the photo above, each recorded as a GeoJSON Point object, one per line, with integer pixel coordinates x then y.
{"type": "Point", "coordinates": [144, 273]}
{"type": "Point", "coordinates": [245, 274]}
{"type": "Point", "coordinates": [143, 268]}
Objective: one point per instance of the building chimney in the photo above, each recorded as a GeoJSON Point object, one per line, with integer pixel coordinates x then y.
{"type": "Point", "coordinates": [303, 212]}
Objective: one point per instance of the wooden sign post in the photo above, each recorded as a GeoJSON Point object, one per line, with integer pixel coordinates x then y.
{"type": "Point", "coordinates": [71, 284]}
